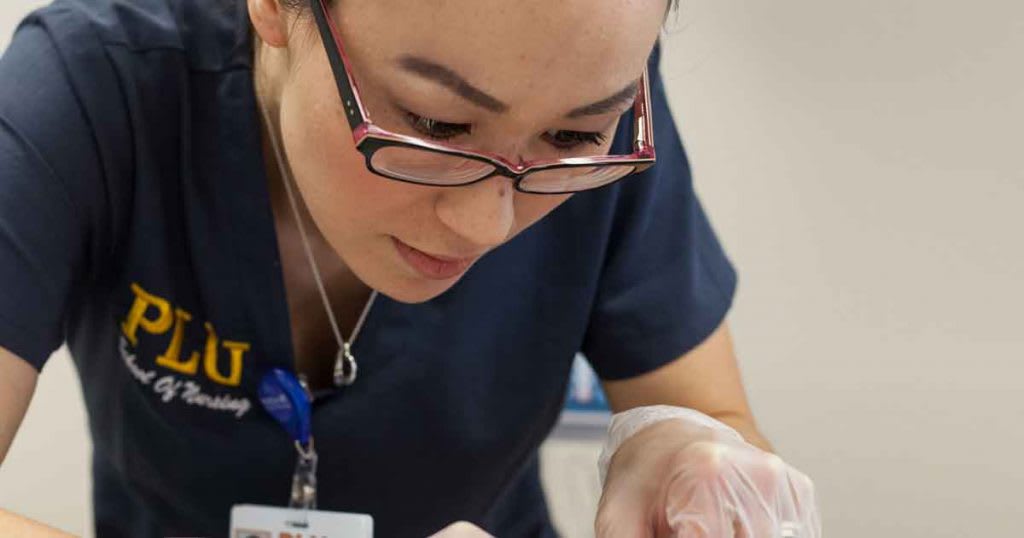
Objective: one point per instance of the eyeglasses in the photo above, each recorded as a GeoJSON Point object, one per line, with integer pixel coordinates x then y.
{"type": "Point", "coordinates": [426, 162]}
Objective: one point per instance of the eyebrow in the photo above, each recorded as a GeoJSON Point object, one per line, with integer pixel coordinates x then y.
{"type": "Point", "coordinates": [453, 81]}
{"type": "Point", "coordinates": [609, 104]}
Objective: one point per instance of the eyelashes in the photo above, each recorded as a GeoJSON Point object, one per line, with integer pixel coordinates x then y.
{"type": "Point", "coordinates": [438, 130]}
{"type": "Point", "coordinates": [572, 139]}
{"type": "Point", "coordinates": [443, 131]}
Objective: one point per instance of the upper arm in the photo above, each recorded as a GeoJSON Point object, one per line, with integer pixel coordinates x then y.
{"type": "Point", "coordinates": [52, 194]}
{"type": "Point", "coordinates": [706, 379]}
{"type": "Point", "coordinates": [666, 283]}
{"type": "Point", "coordinates": [17, 383]}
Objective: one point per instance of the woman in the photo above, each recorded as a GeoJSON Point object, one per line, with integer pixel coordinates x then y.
{"type": "Point", "coordinates": [372, 196]}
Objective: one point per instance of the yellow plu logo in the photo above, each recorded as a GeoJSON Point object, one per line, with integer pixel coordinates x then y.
{"type": "Point", "coordinates": [155, 315]}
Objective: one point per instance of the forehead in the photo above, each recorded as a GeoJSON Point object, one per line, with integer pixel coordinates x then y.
{"type": "Point", "coordinates": [511, 48]}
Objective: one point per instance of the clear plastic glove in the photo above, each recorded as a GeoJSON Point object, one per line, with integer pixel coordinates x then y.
{"type": "Point", "coordinates": [461, 529]}
{"type": "Point", "coordinates": [691, 476]}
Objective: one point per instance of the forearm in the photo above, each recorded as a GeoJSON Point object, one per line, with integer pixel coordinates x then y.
{"type": "Point", "coordinates": [706, 379]}
{"type": "Point", "coordinates": [670, 433]}
{"type": "Point", "coordinates": [744, 424]}
{"type": "Point", "coordinates": [15, 525]}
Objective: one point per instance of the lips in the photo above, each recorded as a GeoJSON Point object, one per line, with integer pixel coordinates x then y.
{"type": "Point", "coordinates": [432, 266]}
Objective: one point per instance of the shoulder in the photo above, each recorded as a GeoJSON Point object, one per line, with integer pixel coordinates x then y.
{"type": "Point", "coordinates": [95, 89]}
{"type": "Point", "coordinates": [115, 61]}
{"type": "Point", "coordinates": [209, 34]}
{"type": "Point", "coordinates": [123, 68]}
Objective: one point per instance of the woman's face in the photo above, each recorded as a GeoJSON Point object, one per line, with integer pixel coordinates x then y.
{"type": "Point", "coordinates": [529, 63]}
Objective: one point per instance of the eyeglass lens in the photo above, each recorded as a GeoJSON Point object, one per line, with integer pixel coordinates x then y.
{"type": "Point", "coordinates": [434, 168]}
{"type": "Point", "coordinates": [428, 166]}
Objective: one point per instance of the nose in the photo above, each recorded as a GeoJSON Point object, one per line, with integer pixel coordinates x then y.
{"type": "Point", "coordinates": [482, 213]}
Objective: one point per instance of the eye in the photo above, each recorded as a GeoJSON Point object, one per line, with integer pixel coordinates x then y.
{"type": "Point", "coordinates": [435, 129]}
{"type": "Point", "coordinates": [567, 140]}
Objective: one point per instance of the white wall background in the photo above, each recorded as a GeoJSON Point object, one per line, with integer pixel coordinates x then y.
{"type": "Point", "coordinates": [861, 161]}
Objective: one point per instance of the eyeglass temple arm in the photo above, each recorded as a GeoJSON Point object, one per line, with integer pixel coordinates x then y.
{"type": "Point", "coordinates": [643, 130]}
{"type": "Point", "coordinates": [354, 111]}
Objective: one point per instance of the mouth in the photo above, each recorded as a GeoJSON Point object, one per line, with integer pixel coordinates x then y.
{"type": "Point", "coordinates": [433, 266]}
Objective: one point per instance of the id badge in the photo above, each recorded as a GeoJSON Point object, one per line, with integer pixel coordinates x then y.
{"type": "Point", "coordinates": [256, 521]}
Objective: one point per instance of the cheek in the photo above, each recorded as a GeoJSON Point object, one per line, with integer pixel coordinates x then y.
{"type": "Point", "coordinates": [323, 158]}
{"type": "Point", "coordinates": [530, 208]}
{"type": "Point", "coordinates": [349, 204]}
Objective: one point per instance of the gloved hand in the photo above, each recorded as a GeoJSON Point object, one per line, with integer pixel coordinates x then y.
{"type": "Point", "coordinates": [461, 529]}
{"type": "Point", "coordinates": [691, 476]}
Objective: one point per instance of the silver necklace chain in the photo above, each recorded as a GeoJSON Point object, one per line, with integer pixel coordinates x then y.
{"type": "Point", "coordinates": [345, 366]}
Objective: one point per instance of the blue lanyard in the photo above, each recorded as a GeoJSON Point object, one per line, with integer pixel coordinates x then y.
{"type": "Point", "coordinates": [284, 397]}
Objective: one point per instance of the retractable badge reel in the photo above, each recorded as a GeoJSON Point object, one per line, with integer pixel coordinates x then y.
{"type": "Point", "coordinates": [290, 403]}
{"type": "Point", "coordinates": [284, 397]}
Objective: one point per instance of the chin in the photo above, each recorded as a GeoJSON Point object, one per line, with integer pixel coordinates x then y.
{"type": "Point", "coordinates": [414, 291]}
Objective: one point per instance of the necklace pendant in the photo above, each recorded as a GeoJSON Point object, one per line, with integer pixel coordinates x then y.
{"type": "Point", "coordinates": [345, 367]}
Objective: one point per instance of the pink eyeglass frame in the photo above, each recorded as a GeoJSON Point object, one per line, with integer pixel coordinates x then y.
{"type": "Point", "coordinates": [369, 137]}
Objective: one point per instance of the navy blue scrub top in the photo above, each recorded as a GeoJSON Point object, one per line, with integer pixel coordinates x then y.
{"type": "Point", "coordinates": [135, 225]}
